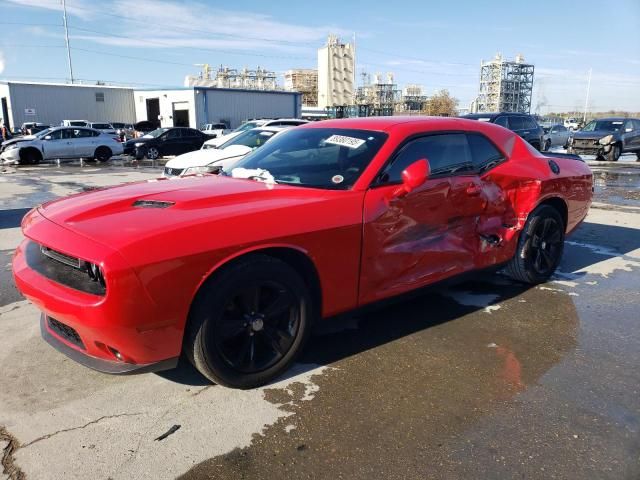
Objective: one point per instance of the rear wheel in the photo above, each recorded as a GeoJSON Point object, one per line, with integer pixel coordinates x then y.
{"type": "Point", "coordinates": [249, 322]}
{"type": "Point", "coordinates": [540, 246]}
{"type": "Point", "coordinates": [614, 153]}
{"type": "Point", "coordinates": [103, 154]}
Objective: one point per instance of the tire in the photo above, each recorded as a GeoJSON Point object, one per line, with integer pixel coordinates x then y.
{"type": "Point", "coordinates": [547, 145]}
{"type": "Point", "coordinates": [103, 154]}
{"type": "Point", "coordinates": [152, 153]}
{"type": "Point", "coordinates": [231, 337]}
{"type": "Point", "coordinates": [30, 156]}
{"type": "Point", "coordinates": [540, 247]}
{"type": "Point", "coordinates": [614, 153]}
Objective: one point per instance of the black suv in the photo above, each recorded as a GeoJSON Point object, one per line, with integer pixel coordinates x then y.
{"type": "Point", "coordinates": [520, 123]}
{"type": "Point", "coordinates": [165, 141]}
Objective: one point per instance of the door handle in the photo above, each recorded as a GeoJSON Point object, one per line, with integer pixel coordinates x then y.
{"type": "Point", "coordinates": [473, 190]}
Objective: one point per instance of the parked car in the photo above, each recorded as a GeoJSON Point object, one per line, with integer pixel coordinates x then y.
{"type": "Point", "coordinates": [31, 128]}
{"type": "Point", "coordinates": [554, 136]}
{"type": "Point", "coordinates": [233, 270]}
{"type": "Point", "coordinates": [521, 123]}
{"type": "Point", "coordinates": [103, 127]}
{"type": "Point", "coordinates": [572, 123]}
{"type": "Point", "coordinates": [263, 122]}
{"type": "Point", "coordinates": [165, 141]}
{"type": "Point", "coordinates": [214, 129]}
{"type": "Point", "coordinates": [607, 138]}
{"type": "Point", "coordinates": [210, 160]}
{"type": "Point", "coordinates": [62, 143]}
{"type": "Point", "coordinates": [75, 123]}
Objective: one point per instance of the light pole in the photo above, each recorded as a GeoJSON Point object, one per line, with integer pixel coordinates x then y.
{"type": "Point", "coordinates": [586, 102]}
{"type": "Point", "coordinates": [66, 37]}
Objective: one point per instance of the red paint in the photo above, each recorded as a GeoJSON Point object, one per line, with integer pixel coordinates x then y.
{"type": "Point", "coordinates": [365, 243]}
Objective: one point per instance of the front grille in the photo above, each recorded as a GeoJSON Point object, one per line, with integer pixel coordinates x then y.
{"type": "Point", "coordinates": [66, 332]}
{"type": "Point", "coordinates": [58, 267]}
{"type": "Point", "coordinates": [585, 143]}
{"type": "Point", "coordinates": [173, 172]}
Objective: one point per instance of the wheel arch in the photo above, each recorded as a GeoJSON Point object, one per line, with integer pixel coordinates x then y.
{"type": "Point", "coordinates": [25, 151]}
{"type": "Point", "coordinates": [294, 256]}
{"type": "Point", "coordinates": [560, 205]}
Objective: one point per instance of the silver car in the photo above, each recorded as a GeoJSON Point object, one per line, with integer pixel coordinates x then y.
{"type": "Point", "coordinates": [62, 143]}
{"type": "Point", "coordinates": [555, 136]}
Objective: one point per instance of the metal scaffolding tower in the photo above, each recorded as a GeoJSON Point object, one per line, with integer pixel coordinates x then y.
{"type": "Point", "coordinates": [378, 98]}
{"type": "Point", "coordinates": [505, 86]}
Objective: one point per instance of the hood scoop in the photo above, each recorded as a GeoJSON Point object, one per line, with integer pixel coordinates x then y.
{"type": "Point", "coordinates": [152, 204]}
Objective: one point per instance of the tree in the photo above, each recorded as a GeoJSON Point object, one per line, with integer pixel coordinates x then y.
{"type": "Point", "coordinates": [442, 104]}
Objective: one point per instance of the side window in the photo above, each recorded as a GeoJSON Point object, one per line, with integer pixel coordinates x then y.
{"type": "Point", "coordinates": [502, 121]}
{"type": "Point", "coordinates": [447, 153]}
{"type": "Point", "coordinates": [530, 123]}
{"type": "Point", "coordinates": [483, 152]}
{"type": "Point", "coordinates": [68, 133]}
{"type": "Point", "coordinates": [560, 128]}
{"type": "Point", "coordinates": [82, 133]}
{"type": "Point", "coordinates": [636, 125]}
{"type": "Point", "coordinates": [628, 125]}
{"type": "Point", "coordinates": [516, 123]}
{"type": "Point", "coordinates": [172, 134]}
{"type": "Point", "coordinates": [57, 135]}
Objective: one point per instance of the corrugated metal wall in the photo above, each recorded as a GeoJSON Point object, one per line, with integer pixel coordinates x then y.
{"type": "Point", "coordinates": [54, 103]}
{"type": "Point", "coordinates": [236, 106]}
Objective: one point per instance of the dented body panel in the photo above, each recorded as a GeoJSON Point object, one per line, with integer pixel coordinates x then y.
{"type": "Point", "coordinates": [364, 244]}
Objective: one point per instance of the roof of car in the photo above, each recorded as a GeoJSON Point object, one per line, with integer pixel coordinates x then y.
{"type": "Point", "coordinates": [615, 119]}
{"type": "Point", "coordinates": [385, 123]}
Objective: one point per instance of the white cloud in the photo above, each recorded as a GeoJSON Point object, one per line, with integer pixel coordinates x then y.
{"type": "Point", "coordinates": [80, 8]}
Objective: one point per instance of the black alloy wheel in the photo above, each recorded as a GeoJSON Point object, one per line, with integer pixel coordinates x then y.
{"type": "Point", "coordinates": [152, 153]}
{"type": "Point", "coordinates": [248, 322]}
{"type": "Point", "coordinates": [257, 327]}
{"type": "Point", "coordinates": [103, 154]}
{"type": "Point", "coordinates": [614, 154]}
{"type": "Point", "coordinates": [540, 246]}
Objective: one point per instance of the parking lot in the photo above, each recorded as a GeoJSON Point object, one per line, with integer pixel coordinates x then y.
{"type": "Point", "coordinates": [485, 379]}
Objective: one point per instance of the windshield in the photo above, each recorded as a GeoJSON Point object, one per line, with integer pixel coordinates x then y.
{"type": "Point", "coordinates": [605, 125]}
{"type": "Point", "coordinates": [330, 158]}
{"type": "Point", "coordinates": [101, 126]}
{"type": "Point", "coordinates": [77, 124]}
{"type": "Point", "coordinates": [252, 138]}
{"type": "Point", "coordinates": [43, 133]}
{"type": "Point", "coordinates": [155, 133]}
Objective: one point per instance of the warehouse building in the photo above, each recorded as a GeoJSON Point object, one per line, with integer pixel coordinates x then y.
{"type": "Point", "coordinates": [195, 106]}
{"type": "Point", "coordinates": [51, 103]}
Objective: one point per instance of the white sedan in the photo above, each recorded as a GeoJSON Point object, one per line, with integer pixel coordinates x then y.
{"type": "Point", "coordinates": [62, 143]}
{"type": "Point", "coordinates": [211, 159]}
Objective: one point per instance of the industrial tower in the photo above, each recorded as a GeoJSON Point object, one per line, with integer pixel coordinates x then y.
{"type": "Point", "coordinates": [505, 86]}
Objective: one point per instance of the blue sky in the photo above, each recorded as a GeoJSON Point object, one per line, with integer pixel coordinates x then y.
{"type": "Point", "coordinates": [436, 44]}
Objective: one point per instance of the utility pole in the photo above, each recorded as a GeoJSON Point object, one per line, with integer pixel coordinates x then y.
{"type": "Point", "coordinates": [66, 37]}
{"type": "Point", "coordinates": [586, 102]}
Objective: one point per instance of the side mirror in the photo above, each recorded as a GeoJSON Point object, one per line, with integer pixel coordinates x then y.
{"type": "Point", "coordinates": [48, 137]}
{"type": "Point", "coordinates": [412, 177]}
{"type": "Point", "coordinates": [629, 129]}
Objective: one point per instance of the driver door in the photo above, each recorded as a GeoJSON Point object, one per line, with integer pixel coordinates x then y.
{"type": "Point", "coordinates": [60, 145]}
{"type": "Point", "coordinates": [427, 235]}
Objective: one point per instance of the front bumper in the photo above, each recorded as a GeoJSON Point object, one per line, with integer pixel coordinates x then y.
{"type": "Point", "coordinates": [121, 331]}
{"type": "Point", "coordinates": [10, 156]}
{"type": "Point", "coordinates": [589, 147]}
{"type": "Point", "coordinates": [100, 364]}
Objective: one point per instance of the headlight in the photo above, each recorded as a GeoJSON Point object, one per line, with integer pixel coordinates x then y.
{"type": "Point", "coordinates": [139, 144]}
{"type": "Point", "coordinates": [606, 140]}
{"type": "Point", "coordinates": [207, 147]}
{"type": "Point", "coordinates": [203, 169]}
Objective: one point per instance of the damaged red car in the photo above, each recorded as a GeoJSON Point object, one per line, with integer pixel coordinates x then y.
{"type": "Point", "coordinates": [232, 270]}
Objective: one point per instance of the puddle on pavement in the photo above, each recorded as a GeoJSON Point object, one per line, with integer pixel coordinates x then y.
{"type": "Point", "coordinates": [621, 186]}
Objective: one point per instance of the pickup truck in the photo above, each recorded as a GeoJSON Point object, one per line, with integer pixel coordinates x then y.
{"type": "Point", "coordinates": [215, 130]}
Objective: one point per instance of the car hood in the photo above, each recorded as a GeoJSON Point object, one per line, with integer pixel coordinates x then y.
{"type": "Point", "coordinates": [114, 216]}
{"type": "Point", "coordinates": [595, 135]}
{"type": "Point", "coordinates": [200, 158]}
{"type": "Point", "coordinates": [26, 138]}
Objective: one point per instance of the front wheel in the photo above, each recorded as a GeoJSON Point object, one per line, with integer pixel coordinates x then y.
{"type": "Point", "coordinates": [152, 153]}
{"type": "Point", "coordinates": [540, 247]}
{"type": "Point", "coordinates": [249, 322]}
{"type": "Point", "coordinates": [614, 154]}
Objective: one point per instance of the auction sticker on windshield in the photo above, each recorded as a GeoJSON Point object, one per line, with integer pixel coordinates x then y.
{"type": "Point", "coordinates": [343, 141]}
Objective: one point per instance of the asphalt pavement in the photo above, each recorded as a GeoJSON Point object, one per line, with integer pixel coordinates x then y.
{"type": "Point", "coordinates": [487, 379]}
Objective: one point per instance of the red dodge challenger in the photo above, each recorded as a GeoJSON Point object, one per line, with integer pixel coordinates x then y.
{"type": "Point", "coordinates": [233, 269]}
